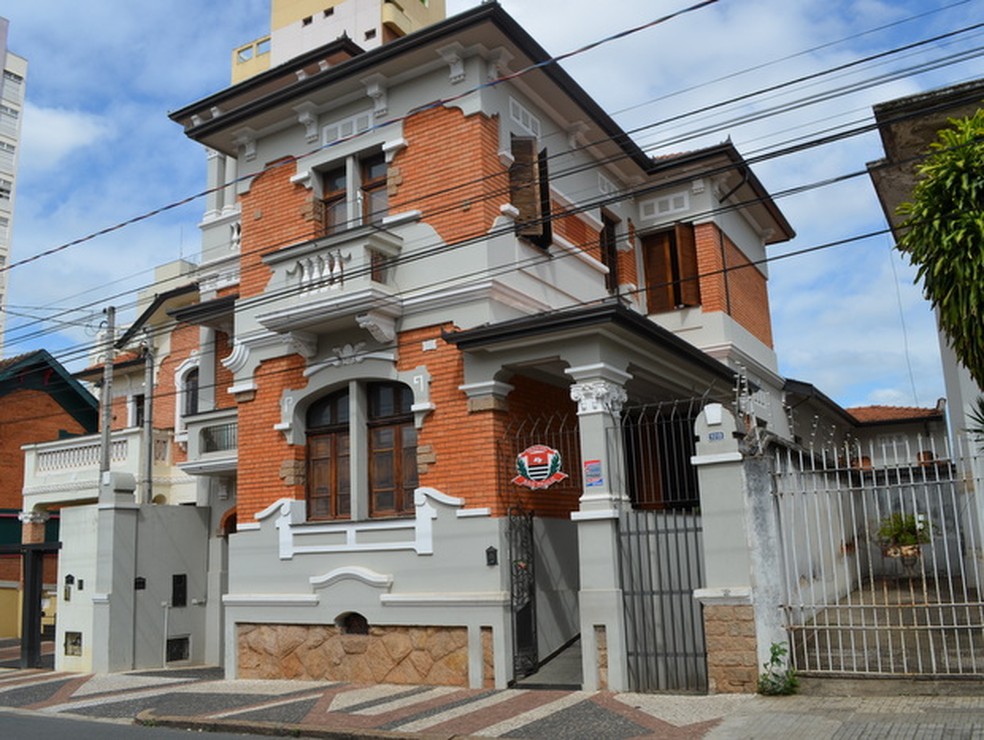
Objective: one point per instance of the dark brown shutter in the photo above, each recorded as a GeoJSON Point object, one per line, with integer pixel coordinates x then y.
{"type": "Point", "coordinates": [524, 190]}
{"type": "Point", "coordinates": [686, 245]}
{"type": "Point", "coordinates": [659, 272]}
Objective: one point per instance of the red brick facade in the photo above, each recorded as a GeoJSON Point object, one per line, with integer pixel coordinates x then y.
{"type": "Point", "coordinates": [740, 290]}
{"type": "Point", "coordinates": [26, 417]}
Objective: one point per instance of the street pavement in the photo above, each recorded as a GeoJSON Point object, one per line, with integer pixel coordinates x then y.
{"type": "Point", "coordinates": [201, 699]}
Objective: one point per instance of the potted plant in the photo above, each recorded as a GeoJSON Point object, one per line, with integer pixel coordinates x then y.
{"type": "Point", "coordinates": [902, 534]}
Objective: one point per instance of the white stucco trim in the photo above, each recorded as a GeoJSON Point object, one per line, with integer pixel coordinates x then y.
{"type": "Point", "coordinates": [352, 573]}
{"type": "Point", "coordinates": [473, 513]}
{"type": "Point", "coordinates": [484, 599]}
{"type": "Point", "coordinates": [270, 600]}
{"type": "Point", "coordinates": [724, 596]}
{"type": "Point", "coordinates": [721, 457]}
{"type": "Point", "coordinates": [587, 516]}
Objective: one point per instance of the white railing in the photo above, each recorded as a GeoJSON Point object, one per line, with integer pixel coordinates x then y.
{"type": "Point", "coordinates": [322, 271]}
{"type": "Point", "coordinates": [68, 469]}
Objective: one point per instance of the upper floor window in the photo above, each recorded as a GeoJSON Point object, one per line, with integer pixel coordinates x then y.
{"type": "Point", "coordinates": [387, 438]}
{"type": "Point", "coordinates": [672, 279]}
{"type": "Point", "coordinates": [190, 393]}
{"type": "Point", "coordinates": [6, 187]}
{"type": "Point", "coordinates": [609, 251]}
{"type": "Point", "coordinates": [354, 193]}
{"type": "Point", "coordinates": [529, 191]}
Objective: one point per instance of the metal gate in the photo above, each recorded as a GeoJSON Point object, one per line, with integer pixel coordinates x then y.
{"type": "Point", "coordinates": [526, 657]}
{"type": "Point", "coordinates": [880, 550]}
{"type": "Point", "coordinates": [660, 550]}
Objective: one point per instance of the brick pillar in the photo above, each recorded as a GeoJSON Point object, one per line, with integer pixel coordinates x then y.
{"type": "Point", "coordinates": [32, 525]}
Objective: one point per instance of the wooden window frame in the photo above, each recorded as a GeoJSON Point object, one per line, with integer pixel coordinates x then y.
{"type": "Point", "coordinates": [373, 186]}
{"type": "Point", "coordinates": [672, 277]}
{"type": "Point", "coordinates": [402, 457]}
{"type": "Point", "coordinates": [335, 464]}
{"type": "Point", "coordinates": [608, 245]}
{"type": "Point", "coordinates": [529, 191]}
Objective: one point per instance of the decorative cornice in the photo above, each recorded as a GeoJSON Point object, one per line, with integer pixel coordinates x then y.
{"type": "Point", "coordinates": [376, 89]}
{"type": "Point", "coordinates": [34, 516]}
{"type": "Point", "coordinates": [598, 396]}
{"type": "Point", "coordinates": [380, 325]}
{"type": "Point", "coordinates": [453, 54]}
{"type": "Point", "coordinates": [307, 116]}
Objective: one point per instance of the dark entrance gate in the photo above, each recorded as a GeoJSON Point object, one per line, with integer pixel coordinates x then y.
{"type": "Point", "coordinates": [32, 555]}
{"type": "Point", "coordinates": [526, 657]}
{"type": "Point", "coordinates": [660, 550]}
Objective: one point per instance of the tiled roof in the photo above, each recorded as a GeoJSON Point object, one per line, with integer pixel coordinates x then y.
{"type": "Point", "coordinates": [874, 414]}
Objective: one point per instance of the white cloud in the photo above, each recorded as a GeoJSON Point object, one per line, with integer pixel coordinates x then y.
{"type": "Point", "coordinates": [49, 135]}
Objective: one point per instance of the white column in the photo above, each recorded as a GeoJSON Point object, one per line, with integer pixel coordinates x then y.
{"type": "Point", "coordinates": [599, 392]}
{"type": "Point", "coordinates": [229, 192]}
{"type": "Point", "coordinates": [214, 171]}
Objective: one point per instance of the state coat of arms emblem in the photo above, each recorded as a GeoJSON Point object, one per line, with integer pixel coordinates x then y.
{"type": "Point", "coordinates": [538, 467]}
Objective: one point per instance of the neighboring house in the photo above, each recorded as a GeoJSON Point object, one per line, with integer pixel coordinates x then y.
{"type": "Point", "coordinates": [908, 126]}
{"type": "Point", "coordinates": [463, 376]}
{"type": "Point", "coordinates": [12, 87]}
{"type": "Point", "coordinates": [39, 400]}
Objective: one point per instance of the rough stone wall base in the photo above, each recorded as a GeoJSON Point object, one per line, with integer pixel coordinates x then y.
{"type": "Point", "coordinates": [398, 655]}
{"type": "Point", "coordinates": [732, 650]}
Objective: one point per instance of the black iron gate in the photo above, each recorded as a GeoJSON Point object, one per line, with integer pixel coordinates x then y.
{"type": "Point", "coordinates": [526, 657]}
{"type": "Point", "coordinates": [661, 549]}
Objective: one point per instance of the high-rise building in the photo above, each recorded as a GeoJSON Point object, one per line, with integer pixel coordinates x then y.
{"type": "Point", "coordinates": [11, 110]}
{"type": "Point", "coordinates": [298, 26]}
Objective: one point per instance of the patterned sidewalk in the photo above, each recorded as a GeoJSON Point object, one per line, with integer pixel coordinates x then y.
{"type": "Point", "coordinates": [202, 699]}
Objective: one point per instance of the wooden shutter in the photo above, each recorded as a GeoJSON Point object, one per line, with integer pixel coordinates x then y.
{"type": "Point", "coordinates": [688, 291]}
{"type": "Point", "coordinates": [529, 191]}
{"type": "Point", "coordinates": [656, 251]}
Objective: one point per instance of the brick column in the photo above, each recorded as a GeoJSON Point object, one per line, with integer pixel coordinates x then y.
{"type": "Point", "coordinates": [32, 525]}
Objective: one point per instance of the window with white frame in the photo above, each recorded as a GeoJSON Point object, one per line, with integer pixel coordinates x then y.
{"type": "Point", "coordinates": [361, 452]}
{"type": "Point", "coordinates": [186, 395]}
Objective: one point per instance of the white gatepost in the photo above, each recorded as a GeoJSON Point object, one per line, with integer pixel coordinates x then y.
{"type": "Point", "coordinates": [741, 595]}
{"type": "Point", "coordinates": [599, 392]}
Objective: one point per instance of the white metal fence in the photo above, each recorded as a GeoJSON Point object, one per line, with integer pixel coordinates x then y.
{"type": "Point", "coordinates": [882, 554]}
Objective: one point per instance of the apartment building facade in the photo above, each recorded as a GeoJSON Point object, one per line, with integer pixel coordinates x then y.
{"type": "Point", "coordinates": [12, 89]}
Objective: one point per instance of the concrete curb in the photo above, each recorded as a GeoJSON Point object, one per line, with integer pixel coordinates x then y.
{"type": "Point", "coordinates": [148, 718]}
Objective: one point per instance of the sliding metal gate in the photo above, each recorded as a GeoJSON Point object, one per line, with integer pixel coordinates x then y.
{"type": "Point", "coordinates": [660, 544]}
{"type": "Point", "coordinates": [881, 558]}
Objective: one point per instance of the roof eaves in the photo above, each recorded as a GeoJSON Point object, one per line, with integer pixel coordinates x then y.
{"type": "Point", "coordinates": [603, 313]}
{"type": "Point", "coordinates": [159, 300]}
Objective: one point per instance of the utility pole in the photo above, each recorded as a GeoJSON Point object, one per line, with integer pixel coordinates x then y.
{"type": "Point", "coordinates": [106, 397]}
{"type": "Point", "coordinates": [147, 492]}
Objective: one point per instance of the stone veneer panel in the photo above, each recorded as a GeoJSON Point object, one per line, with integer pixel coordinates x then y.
{"type": "Point", "coordinates": [436, 656]}
{"type": "Point", "coordinates": [732, 650]}
{"type": "Point", "coordinates": [601, 640]}
{"type": "Point", "coordinates": [488, 659]}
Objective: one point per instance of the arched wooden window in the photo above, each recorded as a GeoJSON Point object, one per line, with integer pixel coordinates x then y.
{"type": "Point", "coordinates": [392, 449]}
{"type": "Point", "coordinates": [190, 392]}
{"type": "Point", "coordinates": [329, 488]}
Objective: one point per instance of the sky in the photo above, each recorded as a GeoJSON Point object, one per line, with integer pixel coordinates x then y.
{"type": "Point", "coordinates": [98, 150]}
